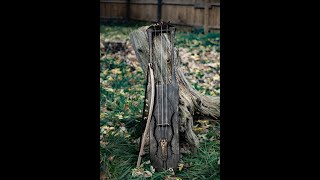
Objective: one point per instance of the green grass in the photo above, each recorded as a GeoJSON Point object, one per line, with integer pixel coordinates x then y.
{"type": "Point", "coordinates": [121, 93]}
{"type": "Point", "coordinates": [204, 164]}
{"type": "Point", "coordinates": [119, 31]}
{"type": "Point", "coordinates": [121, 104]}
{"type": "Point", "coordinates": [123, 156]}
{"type": "Point", "coordinates": [194, 39]}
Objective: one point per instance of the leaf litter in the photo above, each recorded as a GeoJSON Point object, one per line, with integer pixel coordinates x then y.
{"type": "Point", "coordinates": [122, 90]}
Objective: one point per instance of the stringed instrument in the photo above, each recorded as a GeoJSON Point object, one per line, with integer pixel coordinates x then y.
{"type": "Point", "coordinates": [162, 122]}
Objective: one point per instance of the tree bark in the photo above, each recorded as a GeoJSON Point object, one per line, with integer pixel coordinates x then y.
{"type": "Point", "coordinates": [191, 102]}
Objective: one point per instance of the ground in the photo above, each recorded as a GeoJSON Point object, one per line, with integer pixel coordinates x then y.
{"type": "Point", "coordinates": [121, 103]}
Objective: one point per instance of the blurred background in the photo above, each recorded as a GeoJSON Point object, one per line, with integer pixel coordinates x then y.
{"type": "Point", "coordinates": [122, 83]}
{"type": "Point", "coordinates": [189, 13]}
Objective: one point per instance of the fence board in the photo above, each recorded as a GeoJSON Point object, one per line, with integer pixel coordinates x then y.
{"type": "Point", "coordinates": [180, 12]}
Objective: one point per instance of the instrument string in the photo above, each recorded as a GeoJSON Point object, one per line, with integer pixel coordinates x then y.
{"type": "Point", "coordinates": [166, 87]}
{"type": "Point", "coordinates": [157, 81]}
{"type": "Point", "coordinates": [162, 118]}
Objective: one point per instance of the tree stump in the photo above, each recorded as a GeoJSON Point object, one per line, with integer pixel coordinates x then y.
{"type": "Point", "coordinates": [191, 102]}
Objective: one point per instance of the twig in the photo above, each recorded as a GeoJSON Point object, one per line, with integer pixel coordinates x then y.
{"type": "Point", "coordinates": [149, 116]}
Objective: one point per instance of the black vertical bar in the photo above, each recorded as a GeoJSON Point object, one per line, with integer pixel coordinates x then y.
{"type": "Point", "coordinates": [159, 10]}
{"type": "Point", "coordinates": [128, 9]}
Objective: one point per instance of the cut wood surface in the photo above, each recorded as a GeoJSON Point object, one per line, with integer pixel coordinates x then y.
{"type": "Point", "coordinates": [191, 102]}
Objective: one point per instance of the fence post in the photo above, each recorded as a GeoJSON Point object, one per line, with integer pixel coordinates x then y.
{"type": "Point", "coordinates": [128, 10]}
{"type": "Point", "coordinates": [206, 16]}
{"type": "Point", "coordinates": [159, 10]}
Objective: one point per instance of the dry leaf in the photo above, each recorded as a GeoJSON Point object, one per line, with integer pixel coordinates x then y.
{"type": "Point", "coordinates": [147, 174]}
{"type": "Point", "coordinates": [119, 116]}
{"type": "Point", "coordinates": [180, 166]}
{"type": "Point", "coordinates": [172, 178]}
{"type": "Point", "coordinates": [111, 158]}
{"type": "Point", "coordinates": [137, 172]}
{"type": "Point", "coordinates": [152, 169]}
{"type": "Point", "coordinates": [126, 107]}
{"type": "Point", "coordinates": [110, 78]}
{"type": "Point", "coordinates": [103, 176]}
{"type": "Point", "coordinates": [116, 71]}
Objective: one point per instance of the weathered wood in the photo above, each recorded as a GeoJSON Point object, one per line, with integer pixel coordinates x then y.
{"type": "Point", "coordinates": [190, 100]}
{"type": "Point", "coordinates": [184, 13]}
{"type": "Point", "coordinates": [164, 128]}
{"type": "Point", "coordinates": [164, 132]}
{"type": "Point", "coordinates": [206, 16]}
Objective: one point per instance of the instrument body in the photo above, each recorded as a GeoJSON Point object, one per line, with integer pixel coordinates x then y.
{"type": "Point", "coordinates": [164, 128]}
{"type": "Point", "coordinates": [164, 123]}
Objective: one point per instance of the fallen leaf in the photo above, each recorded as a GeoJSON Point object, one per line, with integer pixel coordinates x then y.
{"type": "Point", "coordinates": [103, 176]}
{"type": "Point", "coordinates": [137, 172]}
{"type": "Point", "coordinates": [126, 107]}
{"type": "Point", "coordinates": [110, 78]}
{"type": "Point", "coordinates": [172, 178]}
{"type": "Point", "coordinates": [109, 89]}
{"type": "Point", "coordinates": [111, 158]}
{"type": "Point", "coordinates": [152, 169]}
{"type": "Point", "coordinates": [147, 174]}
{"type": "Point", "coordinates": [116, 71]}
{"type": "Point", "coordinates": [119, 116]}
{"type": "Point", "coordinates": [171, 171]}
{"type": "Point", "coordinates": [180, 166]}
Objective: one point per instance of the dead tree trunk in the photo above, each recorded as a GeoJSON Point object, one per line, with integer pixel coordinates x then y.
{"type": "Point", "coordinates": [191, 102]}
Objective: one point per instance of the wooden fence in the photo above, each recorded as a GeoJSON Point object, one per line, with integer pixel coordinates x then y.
{"type": "Point", "coordinates": [194, 13]}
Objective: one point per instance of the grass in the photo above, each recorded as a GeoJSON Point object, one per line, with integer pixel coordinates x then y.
{"type": "Point", "coordinates": [119, 31]}
{"type": "Point", "coordinates": [121, 104]}
{"type": "Point", "coordinates": [118, 157]}
{"type": "Point", "coordinates": [204, 164]}
{"type": "Point", "coordinates": [197, 39]}
{"type": "Point", "coordinates": [194, 39]}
